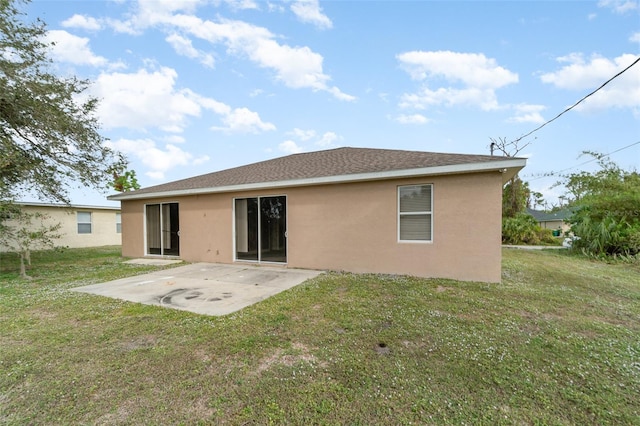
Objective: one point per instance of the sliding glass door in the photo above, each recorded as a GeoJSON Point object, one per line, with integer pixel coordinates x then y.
{"type": "Point", "coordinates": [261, 229]}
{"type": "Point", "coordinates": [163, 229]}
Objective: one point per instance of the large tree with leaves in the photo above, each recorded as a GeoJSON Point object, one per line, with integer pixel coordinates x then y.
{"type": "Point", "coordinates": [49, 133]}
{"type": "Point", "coordinates": [606, 206]}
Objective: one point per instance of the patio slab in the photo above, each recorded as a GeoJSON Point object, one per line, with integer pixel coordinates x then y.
{"type": "Point", "coordinates": [203, 288]}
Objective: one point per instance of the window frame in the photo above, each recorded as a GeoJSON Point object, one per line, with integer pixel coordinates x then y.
{"type": "Point", "coordinates": [79, 223]}
{"type": "Point", "coordinates": [118, 223]}
{"type": "Point", "coordinates": [428, 213]}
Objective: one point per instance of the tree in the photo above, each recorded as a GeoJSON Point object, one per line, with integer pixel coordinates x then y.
{"type": "Point", "coordinates": [606, 206]}
{"type": "Point", "coordinates": [515, 197]}
{"type": "Point", "coordinates": [516, 193]}
{"type": "Point", "coordinates": [123, 182]}
{"type": "Point", "coordinates": [49, 136]}
{"type": "Point", "coordinates": [22, 231]}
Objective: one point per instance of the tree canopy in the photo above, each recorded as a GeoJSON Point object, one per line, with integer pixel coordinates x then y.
{"type": "Point", "coordinates": [49, 138]}
{"type": "Point", "coordinates": [607, 209]}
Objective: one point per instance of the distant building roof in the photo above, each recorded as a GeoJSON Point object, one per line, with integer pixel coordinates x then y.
{"type": "Point", "coordinates": [329, 166]}
{"type": "Point", "coordinates": [542, 216]}
{"type": "Point", "coordinates": [69, 206]}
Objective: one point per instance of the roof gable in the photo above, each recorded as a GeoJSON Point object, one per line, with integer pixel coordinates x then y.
{"type": "Point", "coordinates": [334, 165]}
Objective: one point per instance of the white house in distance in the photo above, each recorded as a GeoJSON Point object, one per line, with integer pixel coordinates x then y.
{"type": "Point", "coordinates": [82, 226]}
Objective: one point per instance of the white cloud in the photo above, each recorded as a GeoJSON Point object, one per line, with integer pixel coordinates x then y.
{"type": "Point", "coordinates": [635, 38]}
{"type": "Point", "coordinates": [303, 135]}
{"type": "Point", "coordinates": [581, 75]}
{"type": "Point", "coordinates": [242, 120]}
{"type": "Point", "coordinates": [528, 114]}
{"type": "Point", "coordinates": [158, 160]}
{"type": "Point", "coordinates": [290, 147]}
{"type": "Point", "coordinates": [149, 99]}
{"type": "Point", "coordinates": [484, 98]}
{"type": "Point", "coordinates": [242, 4]}
{"type": "Point", "coordinates": [73, 49]}
{"type": "Point", "coordinates": [619, 6]}
{"type": "Point", "coordinates": [144, 99]}
{"type": "Point", "coordinates": [325, 141]}
{"type": "Point", "coordinates": [328, 140]}
{"type": "Point", "coordinates": [412, 119]}
{"type": "Point", "coordinates": [471, 69]}
{"type": "Point", "coordinates": [126, 27]}
{"type": "Point", "coordinates": [184, 47]}
{"type": "Point", "coordinates": [309, 11]}
{"type": "Point", "coordinates": [296, 67]}
{"type": "Point", "coordinates": [469, 79]}
{"type": "Point", "coordinates": [84, 22]}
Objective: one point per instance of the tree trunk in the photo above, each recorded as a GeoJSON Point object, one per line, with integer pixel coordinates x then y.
{"type": "Point", "coordinates": [23, 269]}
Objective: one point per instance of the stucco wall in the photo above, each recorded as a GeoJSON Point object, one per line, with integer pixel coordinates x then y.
{"type": "Point", "coordinates": [352, 227]}
{"type": "Point", "coordinates": [103, 226]}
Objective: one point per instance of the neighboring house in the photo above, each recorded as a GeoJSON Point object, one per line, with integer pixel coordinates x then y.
{"type": "Point", "coordinates": [554, 220]}
{"type": "Point", "coordinates": [352, 209]}
{"type": "Point", "coordinates": [82, 226]}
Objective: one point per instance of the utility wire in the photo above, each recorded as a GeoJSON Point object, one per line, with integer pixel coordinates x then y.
{"type": "Point", "coordinates": [586, 162]}
{"type": "Point", "coordinates": [577, 103]}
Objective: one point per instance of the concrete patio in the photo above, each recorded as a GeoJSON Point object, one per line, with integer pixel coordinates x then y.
{"type": "Point", "coordinates": [203, 288]}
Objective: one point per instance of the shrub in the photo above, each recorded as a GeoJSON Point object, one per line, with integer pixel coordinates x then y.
{"type": "Point", "coordinates": [524, 229]}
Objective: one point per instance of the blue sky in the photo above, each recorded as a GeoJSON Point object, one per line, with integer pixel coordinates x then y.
{"type": "Point", "coordinates": [192, 87]}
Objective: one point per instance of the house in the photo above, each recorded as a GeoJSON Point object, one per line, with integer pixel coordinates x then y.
{"type": "Point", "coordinates": [352, 209]}
{"type": "Point", "coordinates": [557, 220]}
{"type": "Point", "coordinates": [81, 226]}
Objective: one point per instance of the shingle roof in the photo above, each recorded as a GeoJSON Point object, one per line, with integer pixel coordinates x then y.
{"type": "Point", "coordinates": [542, 216]}
{"type": "Point", "coordinates": [318, 164]}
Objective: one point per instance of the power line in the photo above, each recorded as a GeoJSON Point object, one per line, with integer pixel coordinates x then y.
{"type": "Point", "coordinates": [586, 162]}
{"type": "Point", "coordinates": [577, 103]}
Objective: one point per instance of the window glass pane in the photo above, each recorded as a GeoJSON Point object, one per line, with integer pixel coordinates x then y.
{"type": "Point", "coordinates": [118, 223]}
{"type": "Point", "coordinates": [415, 227]}
{"type": "Point", "coordinates": [84, 228]}
{"type": "Point", "coordinates": [416, 198]}
{"type": "Point", "coordinates": [84, 222]}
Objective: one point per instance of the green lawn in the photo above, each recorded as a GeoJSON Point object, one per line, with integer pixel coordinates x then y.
{"type": "Point", "coordinates": [558, 342]}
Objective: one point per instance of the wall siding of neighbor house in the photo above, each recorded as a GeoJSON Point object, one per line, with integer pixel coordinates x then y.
{"type": "Point", "coordinates": [103, 225]}
{"type": "Point", "coordinates": [351, 227]}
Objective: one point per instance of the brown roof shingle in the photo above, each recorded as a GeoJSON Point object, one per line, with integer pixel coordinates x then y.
{"type": "Point", "coordinates": [318, 164]}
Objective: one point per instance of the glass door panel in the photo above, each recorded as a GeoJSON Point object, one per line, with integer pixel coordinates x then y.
{"type": "Point", "coordinates": [261, 222]}
{"type": "Point", "coordinates": [154, 243]}
{"type": "Point", "coordinates": [163, 229]}
{"type": "Point", "coordinates": [273, 226]}
{"type": "Point", "coordinates": [247, 229]}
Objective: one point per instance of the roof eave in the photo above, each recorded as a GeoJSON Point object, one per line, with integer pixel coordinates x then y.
{"type": "Point", "coordinates": [508, 168]}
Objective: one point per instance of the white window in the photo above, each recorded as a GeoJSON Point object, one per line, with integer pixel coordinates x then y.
{"type": "Point", "coordinates": [415, 213]}
{"type": "Point", "coordinates": [84, 222]}
{"type": "Point", "coordinates": [118, 223]}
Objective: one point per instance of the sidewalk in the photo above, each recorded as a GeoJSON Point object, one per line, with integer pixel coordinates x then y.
{"type": "Point", "coordinates": [511, 246]}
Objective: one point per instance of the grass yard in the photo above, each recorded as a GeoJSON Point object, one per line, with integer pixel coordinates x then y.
{"type": "Point", "coordinates": [557, 342]}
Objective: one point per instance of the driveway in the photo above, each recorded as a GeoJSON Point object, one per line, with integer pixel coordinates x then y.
{"type": "Point", "coordinates": [203, 288]}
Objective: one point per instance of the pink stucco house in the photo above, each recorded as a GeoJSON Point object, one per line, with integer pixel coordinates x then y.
{"type": "Point", "coordinates": [353, 209]}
